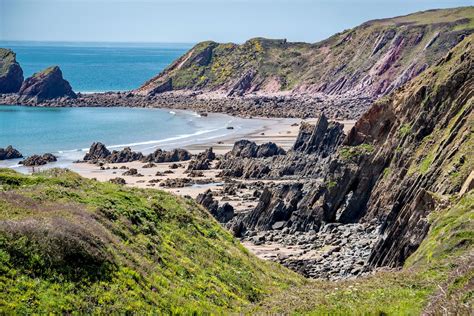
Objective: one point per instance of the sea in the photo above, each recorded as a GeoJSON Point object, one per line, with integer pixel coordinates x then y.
{"type": "Point", "coordinates": [100, 67]}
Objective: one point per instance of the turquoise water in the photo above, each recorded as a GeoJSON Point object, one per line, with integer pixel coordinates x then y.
{"type": "Point", "coordinates": [96, 67]}
{"type": "Point", "coordinates": [70, 131]}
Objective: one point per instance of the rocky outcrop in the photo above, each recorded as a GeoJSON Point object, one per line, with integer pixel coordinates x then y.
{"type": "Point", "coordinates": [124, 155]}
{"type": "Point", "coordinates": [9, 153]}
{"type": "Point", "coordinates": [242, 85]}
{"type": "Point", "coordinates": [174, 155]}
{"type": "Point", "coordinates": [202, 161]}
{"type": "Point", "coordinates": [11, 74]}
{"type": "Point", "coordinates": [45, 85]}
{"type": "Point", "coordinates": [223, 213]}
{"type": "Point", "coordinates": [274, 206]}
{"type": "Point", "coordinates": [393, 168]}
{"type": "Point", "coordinates": [248, 149]}
{"type": "Point", "coordinates": [321, 139]}
{"type": "Point", "coordinates": [311, 151]}
{"type": "Point", "coordinates": [97, 152]}
{"type": "Point", "coordinates": [37, 160]}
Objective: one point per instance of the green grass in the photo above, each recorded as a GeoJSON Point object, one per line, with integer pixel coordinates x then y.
{"type": "Point", "coordinates": [452, 233]}
{"type": "Point", "coordinates": [68, 244]}
{"type": "Point", "coordinates": [404, 130]}
{"type": "Point", "coordinates": [353, 152]}
{"type": "Point", "coordinates": [7, 57]}
{"type": "Point", "coordinates": [464, 16]}
{"type": "Point", "coordinates": [71, 244]}
{"type": "Point", "coordinates": [45, 72]}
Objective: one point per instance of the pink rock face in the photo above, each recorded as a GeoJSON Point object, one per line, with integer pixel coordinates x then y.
{"type": "Point", "coordinates": [45, 85]}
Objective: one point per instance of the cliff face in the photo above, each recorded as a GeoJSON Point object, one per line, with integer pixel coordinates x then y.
{"type": "Point", "coordinates": [11, 74]}
{"type": "Point", "coordinates": [371, 59]}
{"type": "Point", "coordinates": [402, 160]}
{"type": "Point", "coordinates": [410, 149]}
{"type": "Point", "coordinates": [47, 84]}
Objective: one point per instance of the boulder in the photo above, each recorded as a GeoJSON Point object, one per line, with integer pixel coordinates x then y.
{"type": "Point", "coordinates": [159, 156]}
{"type": "Point", "coordinates": [97, 152]}
{"type": "Point", "coordinates": [9, 153]}
{"type": "Point", "coordinates": [45, 85]}
{"type": "Point", "coordinates": [118, 180]}
{"type": "Point", "coordinates": [124, 155]}
{"type": "Point", "coordinates": [223, 213]}
{"type": "Point", "coordinates": [132, 172]}
{"type": "Point", "coordinates": [11, 74]}
{"type": "Point", "coordinates": [248, 149]}
{"type": "Point", "coordinates": [37, 160]}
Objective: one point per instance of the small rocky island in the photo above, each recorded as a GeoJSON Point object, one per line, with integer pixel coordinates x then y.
{"type": "Point", "coordinates": [45, 85]}
{"type": "Point", "coordinates": [9, 153]}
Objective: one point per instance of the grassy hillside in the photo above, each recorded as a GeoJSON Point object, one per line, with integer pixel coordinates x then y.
{"type": "Point", "coordinates": [68, 244]}
{"type": "Point", "coordinates": [371, 59]}
{"type": "Point", "coordinates": [71, 244]}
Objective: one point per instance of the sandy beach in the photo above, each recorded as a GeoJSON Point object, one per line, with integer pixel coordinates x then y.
{"type": "Point", "coordinates": [169, 176]}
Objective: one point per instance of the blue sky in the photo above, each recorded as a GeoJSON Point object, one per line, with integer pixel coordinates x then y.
{"type": "Point", "coordinates": [190, 21]}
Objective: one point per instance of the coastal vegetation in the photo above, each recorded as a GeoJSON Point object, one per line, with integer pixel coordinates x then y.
{"type": "Point", "coordinates": [68, 244]}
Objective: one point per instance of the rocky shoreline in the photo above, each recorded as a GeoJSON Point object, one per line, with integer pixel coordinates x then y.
{"type": "Point", "coordinates": [253, 191]}
{"type": "Point", "coordinates": [284, 106]}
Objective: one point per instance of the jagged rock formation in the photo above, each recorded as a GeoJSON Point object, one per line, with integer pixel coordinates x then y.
{"type": "Point", "coordinates": [409, 149]}
{"type": "Point", "coordinates": [97, 152]}
{"type": "Point", "coordinates": [124, 155]}
{"type": "Point", "coordinates": [9, 153]}
{"type": "Point", "coordinates": [223, 213]}
{"type": "Point", "coordinates": [248, 149]}
{"type": "Point", "coordinates": [45, 85]}
{"type": "Point", "coordinates": [267, 161]}
{"type": "Point", "coordinates": [321, 139]}
{"type": "Point", "coordinates": [11, 74]}
{"type": "Point", "coordinates": [371, 59]}
{"type": "Point", "coordinates": [167, 156]}
{"type": "Point", "coordinates": [202, 161]}
{"type": "Point", "coordinates": [37, 160]}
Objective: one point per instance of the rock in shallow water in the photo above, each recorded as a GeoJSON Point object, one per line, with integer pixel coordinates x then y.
{"type": "Point", "coordinates": [37, 160]}
{"type": "Point", "coordinates": [9, 153]}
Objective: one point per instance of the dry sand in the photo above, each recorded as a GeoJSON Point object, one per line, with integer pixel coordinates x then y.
{"type": "Point", "coordinates": [283, 132]}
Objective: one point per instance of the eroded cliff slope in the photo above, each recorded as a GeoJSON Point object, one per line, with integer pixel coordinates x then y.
{"type": "Point", "coordinates": [371, 59]}
{"type": "Point", "coordinates": [403, 159]}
